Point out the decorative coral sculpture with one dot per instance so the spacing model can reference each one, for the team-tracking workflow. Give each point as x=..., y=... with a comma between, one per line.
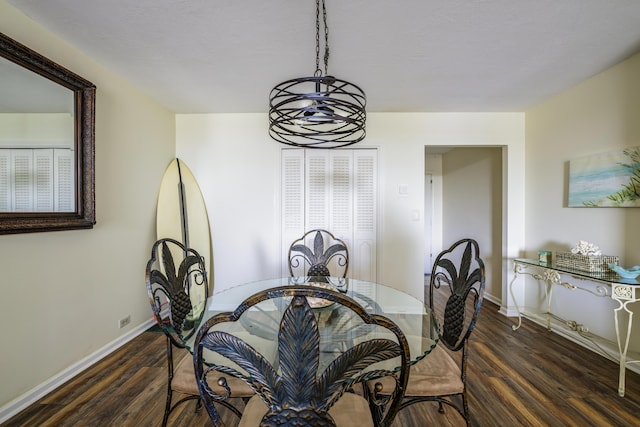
x=585, y=248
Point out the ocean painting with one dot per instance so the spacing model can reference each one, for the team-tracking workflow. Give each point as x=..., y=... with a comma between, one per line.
x=610, y=179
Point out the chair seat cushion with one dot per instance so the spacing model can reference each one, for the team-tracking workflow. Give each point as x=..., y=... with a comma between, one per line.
x=349, y=410
x=184, y=381
x=437, y=374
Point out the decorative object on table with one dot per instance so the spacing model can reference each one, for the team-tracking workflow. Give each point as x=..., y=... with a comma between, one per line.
x=545, y=257
x=315, y=302
x=627, y=273
x=610, y=179
x=585, y=248
x=585, y=256
x=319, y=111
x=299, y=390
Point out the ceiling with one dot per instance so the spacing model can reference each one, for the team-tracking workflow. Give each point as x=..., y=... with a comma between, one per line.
x=224, y=56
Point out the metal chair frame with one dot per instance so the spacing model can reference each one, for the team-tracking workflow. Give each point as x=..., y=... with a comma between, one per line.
x=466, y=280
x=320, y=255
x=174, y=283
x=295, y=390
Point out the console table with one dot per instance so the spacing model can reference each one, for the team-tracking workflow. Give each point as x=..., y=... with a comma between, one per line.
x=623, y=291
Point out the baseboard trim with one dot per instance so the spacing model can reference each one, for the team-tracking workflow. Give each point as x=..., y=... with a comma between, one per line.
x=21, y=402
x=492, y=299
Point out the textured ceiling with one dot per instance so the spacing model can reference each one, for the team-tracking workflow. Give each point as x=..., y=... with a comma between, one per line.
x=200, y=56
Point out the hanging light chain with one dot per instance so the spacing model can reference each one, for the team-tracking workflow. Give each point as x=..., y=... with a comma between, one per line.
x=326, y=39
x=318, y=72
x=320, y=111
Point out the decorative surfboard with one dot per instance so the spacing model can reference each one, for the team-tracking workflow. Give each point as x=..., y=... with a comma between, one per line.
x=181, y=213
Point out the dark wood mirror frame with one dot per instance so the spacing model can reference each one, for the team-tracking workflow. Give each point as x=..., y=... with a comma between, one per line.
x=84, y=119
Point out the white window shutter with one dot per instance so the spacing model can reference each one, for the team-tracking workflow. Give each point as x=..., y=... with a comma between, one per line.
x=364, y=259
x=43, y=180
x=292, y=190
x=317, y=189
x=5, y=181
x=335, y=190
x=37, y=180
x=22, y=180
x=341, y=195
x=64, y=180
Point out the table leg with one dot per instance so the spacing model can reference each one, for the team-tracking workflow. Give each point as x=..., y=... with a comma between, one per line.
x=517, y=268
x=623, y=342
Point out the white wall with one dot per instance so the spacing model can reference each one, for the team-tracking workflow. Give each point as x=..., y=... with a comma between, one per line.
x=237, y=167
x=36, y=130
x=597, y=115
x=64, y=292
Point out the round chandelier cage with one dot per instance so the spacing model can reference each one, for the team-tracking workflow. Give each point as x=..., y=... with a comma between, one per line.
x=319, y=111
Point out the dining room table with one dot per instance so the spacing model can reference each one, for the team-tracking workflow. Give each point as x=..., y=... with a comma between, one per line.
x=339, y=327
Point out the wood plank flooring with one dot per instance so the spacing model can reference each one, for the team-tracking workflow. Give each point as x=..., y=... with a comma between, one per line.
x=530, y=377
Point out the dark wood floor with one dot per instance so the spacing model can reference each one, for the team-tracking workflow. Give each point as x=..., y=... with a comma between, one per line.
x=530, y=377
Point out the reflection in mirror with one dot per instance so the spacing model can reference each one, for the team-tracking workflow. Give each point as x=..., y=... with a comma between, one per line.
x=46, y=144
x=36, y=142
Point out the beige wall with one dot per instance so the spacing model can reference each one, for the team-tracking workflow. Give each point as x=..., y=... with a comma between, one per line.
x=64, y=292
x=237, y=167
x=472, y=206
x=597, y=115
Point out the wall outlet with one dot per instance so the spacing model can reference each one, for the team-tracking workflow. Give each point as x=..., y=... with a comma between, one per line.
x=124, y=321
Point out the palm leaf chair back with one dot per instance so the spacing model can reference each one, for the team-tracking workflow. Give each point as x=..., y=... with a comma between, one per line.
x=301, y=389
x=458, y=275
x=177, y=287
x=318, y=253
x=459, y=272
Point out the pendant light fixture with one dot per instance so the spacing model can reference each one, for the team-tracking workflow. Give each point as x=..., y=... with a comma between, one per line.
x=319, y=111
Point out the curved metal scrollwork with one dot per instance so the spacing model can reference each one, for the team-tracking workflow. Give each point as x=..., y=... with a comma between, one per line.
x=327, y=250
x=183, y=286
x=295, y=391
x=465, y=278
x=177, y=288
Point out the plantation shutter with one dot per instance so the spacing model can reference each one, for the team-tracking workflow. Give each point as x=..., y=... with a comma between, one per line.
x=335, y=190
x=64, y=181
x=37, y=180
x=365, y=216
x=5, y=181
x=292, y=199
x=22, y=180
x=43, y=180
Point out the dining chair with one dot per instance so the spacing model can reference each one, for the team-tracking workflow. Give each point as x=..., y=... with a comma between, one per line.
x=177, y=286
x=456, y=290
x=302, y=388
x=318, y=253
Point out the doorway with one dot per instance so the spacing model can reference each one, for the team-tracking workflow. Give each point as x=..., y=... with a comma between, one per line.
x=466, y=201
x=428, y=222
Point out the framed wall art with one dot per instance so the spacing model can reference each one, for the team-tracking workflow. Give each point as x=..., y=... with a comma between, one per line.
x=610, y=179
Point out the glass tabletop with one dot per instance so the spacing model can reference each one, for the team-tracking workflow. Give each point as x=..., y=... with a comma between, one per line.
x=339, y=327
x=607, y=277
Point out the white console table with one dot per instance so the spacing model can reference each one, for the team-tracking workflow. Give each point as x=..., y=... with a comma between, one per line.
x=623, y=291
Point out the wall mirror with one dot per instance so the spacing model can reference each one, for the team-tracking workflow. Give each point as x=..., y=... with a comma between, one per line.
x=47, y=144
